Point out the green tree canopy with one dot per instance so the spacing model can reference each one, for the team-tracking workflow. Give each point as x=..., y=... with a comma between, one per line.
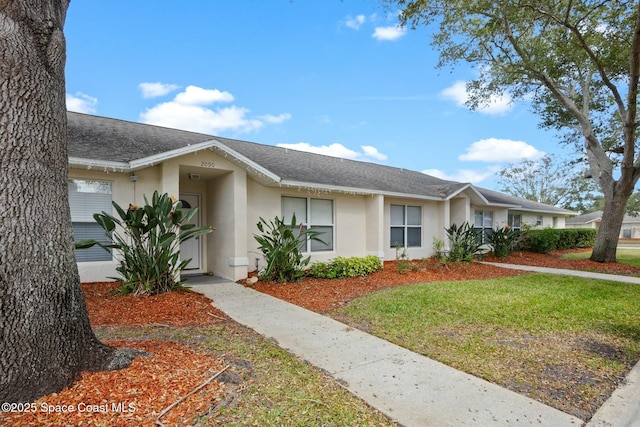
x=549, y=181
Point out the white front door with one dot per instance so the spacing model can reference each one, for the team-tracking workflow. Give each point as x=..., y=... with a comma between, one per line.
x=191, y=248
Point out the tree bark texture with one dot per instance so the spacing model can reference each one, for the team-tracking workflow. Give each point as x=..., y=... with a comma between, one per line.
x=606, y=244
x=45, y=336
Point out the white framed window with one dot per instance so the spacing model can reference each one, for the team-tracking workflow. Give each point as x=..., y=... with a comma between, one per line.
x=483, y=223
x=87, y=197
x=406, y=226
x=313, y=214
x=514, y=221
x=538, y=220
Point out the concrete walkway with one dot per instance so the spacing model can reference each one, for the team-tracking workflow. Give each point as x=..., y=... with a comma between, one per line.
x=568, y=272
x=411, y=389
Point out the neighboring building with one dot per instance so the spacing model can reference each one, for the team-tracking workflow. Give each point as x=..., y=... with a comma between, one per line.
x=630, y=224
x=363, y=208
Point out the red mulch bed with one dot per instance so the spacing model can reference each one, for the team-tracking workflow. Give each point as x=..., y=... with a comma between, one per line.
x=151, y=383
x=179, y=308
x=134, y=396
x=322, y=295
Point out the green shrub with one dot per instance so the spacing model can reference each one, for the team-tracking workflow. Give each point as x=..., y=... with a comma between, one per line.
x=575, y=238
x=149, y=249
x=503, y=241
x=549, y=239
x=281, y=244
x=544, y=240
x=464, y=242
x=341, y=267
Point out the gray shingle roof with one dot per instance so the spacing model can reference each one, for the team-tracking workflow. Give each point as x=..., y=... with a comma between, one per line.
x=105, y=139
x=303, y=167
x=585, y=218
x=102, y=139
x=495, y=197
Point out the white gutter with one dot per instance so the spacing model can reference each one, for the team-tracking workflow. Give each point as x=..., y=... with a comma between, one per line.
x=310, y=186
x=105, y=165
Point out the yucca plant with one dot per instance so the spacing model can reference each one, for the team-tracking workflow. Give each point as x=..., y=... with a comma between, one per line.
x=281, y=244
x=149, y=246
x=502, y=241
x=464, y=242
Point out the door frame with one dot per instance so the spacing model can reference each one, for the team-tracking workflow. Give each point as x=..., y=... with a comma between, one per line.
x=198, y=221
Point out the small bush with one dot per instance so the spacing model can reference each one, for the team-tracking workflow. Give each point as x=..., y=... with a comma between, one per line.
x=502, y=241
x=341, y=267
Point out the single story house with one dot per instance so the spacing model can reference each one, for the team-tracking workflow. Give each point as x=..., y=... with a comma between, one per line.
x=630, y=224
x=362, y=208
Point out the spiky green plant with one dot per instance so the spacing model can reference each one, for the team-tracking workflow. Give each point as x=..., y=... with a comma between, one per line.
x=281, y=244
x=148, y=242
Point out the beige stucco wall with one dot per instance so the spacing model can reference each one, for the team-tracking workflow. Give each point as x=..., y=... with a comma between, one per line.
x=354, y=229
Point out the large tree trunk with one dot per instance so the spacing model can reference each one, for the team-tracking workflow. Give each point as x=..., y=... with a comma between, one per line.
x=616, y=196
x=606, y=245
x=45, y=336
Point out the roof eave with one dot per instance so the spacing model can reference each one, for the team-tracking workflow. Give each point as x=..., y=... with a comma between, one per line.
x=167, y=155
x=311, y=186
x=104, y=165
x=250, y=166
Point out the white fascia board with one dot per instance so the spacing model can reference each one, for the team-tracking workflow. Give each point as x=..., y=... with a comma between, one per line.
x=472, y=188
x=311, y=186
x=545, y=211
x=249, y=164
x=101, y=165
x=161, y=157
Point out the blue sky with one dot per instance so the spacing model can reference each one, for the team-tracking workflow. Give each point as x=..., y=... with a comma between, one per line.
x=335, y=77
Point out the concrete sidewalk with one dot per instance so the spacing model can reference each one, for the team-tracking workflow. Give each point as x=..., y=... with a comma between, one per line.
x=411, y=389
x=568, y=272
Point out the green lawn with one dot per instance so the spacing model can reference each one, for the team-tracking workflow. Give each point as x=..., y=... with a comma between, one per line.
x=565, y=341
x=625, y=256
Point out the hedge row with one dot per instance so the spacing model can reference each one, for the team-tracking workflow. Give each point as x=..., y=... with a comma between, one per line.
x=549, y=239
x=345, y=267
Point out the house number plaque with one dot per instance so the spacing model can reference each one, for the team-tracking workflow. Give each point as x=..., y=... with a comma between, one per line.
x=208, y=165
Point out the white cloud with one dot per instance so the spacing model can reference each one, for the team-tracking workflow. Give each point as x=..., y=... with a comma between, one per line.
x=154, y=90
x=280, y=118
x=465, y=175
x=199, y=119
x=191, y=110
x=355, y=23
x=373, y=153
x=194, y=95
x=81, y=103
x=500, y=150
x=459, y=95
x=389, y=33
x=338, y=150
